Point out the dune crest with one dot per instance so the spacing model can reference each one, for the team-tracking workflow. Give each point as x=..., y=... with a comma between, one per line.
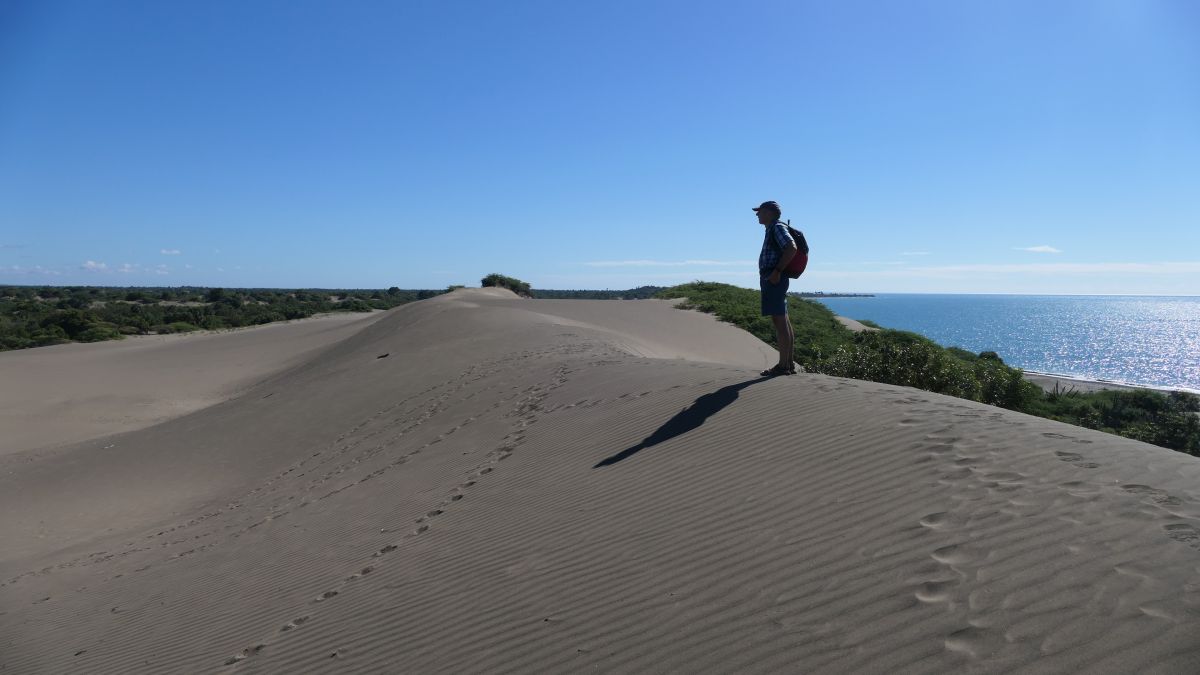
x=482, y=483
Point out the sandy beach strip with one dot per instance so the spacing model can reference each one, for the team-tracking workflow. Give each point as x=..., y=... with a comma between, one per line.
x=1065, y=383
x=479, y=483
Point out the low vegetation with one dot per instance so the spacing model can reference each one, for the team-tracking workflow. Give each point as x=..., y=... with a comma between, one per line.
x=34, y=316
x=639, y=293
x=517, y=286
x=823, y=345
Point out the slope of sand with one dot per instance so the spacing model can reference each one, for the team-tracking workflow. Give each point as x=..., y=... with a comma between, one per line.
x=556, y=486
x=68, y=393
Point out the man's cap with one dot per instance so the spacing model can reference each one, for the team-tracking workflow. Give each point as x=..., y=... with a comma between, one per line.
x=769, y=205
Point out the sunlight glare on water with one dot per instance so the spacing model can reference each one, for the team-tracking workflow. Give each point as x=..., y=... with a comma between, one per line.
x=1153, y=341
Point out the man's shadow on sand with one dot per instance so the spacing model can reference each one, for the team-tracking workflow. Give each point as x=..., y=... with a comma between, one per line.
x=685, y=420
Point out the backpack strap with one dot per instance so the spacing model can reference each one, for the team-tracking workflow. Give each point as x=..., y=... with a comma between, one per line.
x=797, y=238
x=771, y=235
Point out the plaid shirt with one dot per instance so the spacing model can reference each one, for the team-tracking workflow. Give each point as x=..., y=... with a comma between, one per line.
x=769, y=257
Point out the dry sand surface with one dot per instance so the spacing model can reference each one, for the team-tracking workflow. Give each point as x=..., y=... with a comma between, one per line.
x=1066, y=384
x=68, y=393
x=562, y=486
x=854, y=325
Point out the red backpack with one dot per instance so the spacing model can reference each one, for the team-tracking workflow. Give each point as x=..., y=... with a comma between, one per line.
x=796, y=265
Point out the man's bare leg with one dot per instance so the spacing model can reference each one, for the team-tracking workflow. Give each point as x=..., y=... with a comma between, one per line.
x=786, y=339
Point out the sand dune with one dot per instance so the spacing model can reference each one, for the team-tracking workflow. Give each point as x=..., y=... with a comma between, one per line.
x=481, y=483
x=69, y=393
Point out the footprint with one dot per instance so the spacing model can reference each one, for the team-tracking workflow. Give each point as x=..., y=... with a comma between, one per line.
x=959, y=474
x=1076, y=459
x=385, y=550
x=325, y=596
x=971, y=641
x=293, y=624
x=361, y=573
x=245, y=653
x=951, y=555
x=1158, y=496
x=1004, y=476
x=1184, y=533
x=934, y=591
x=936, y=521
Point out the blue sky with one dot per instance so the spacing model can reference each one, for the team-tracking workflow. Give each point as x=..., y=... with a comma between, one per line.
x=1011, y=147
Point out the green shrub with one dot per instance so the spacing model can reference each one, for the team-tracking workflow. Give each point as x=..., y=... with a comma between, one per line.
x=355, y=305
x=175, y=327
x=818, y=332
x=14, y=342
x=898, y=357
x=1002, y=386
x=99, y=333
x=515, y=285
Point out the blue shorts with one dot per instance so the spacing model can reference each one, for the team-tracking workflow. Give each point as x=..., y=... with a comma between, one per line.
x=774, y=296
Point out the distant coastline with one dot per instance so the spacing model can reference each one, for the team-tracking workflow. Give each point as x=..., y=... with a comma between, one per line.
x=822, y=294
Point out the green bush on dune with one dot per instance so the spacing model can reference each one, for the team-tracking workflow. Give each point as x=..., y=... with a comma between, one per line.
x=517, y=286
x=898, y=357
x=818, y=332
x=639, y=293
x=824, y=346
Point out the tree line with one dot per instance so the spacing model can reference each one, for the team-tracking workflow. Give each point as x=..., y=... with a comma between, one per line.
x=35, y=316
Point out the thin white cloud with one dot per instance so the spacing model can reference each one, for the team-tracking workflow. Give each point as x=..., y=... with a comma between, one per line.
x=1028, y=269
x=36, y=270
x=1038, y=249
x=170, y=251
x=124, y=268
x=668, y=263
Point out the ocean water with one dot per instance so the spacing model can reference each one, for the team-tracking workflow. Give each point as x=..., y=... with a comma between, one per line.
x=1144, y=340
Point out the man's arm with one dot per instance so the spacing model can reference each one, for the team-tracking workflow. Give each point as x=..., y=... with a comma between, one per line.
x=785, y=257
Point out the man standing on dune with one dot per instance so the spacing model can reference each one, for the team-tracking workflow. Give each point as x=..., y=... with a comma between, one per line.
x=778, y=249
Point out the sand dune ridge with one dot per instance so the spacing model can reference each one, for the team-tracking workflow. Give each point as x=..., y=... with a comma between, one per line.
x=562, y=485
